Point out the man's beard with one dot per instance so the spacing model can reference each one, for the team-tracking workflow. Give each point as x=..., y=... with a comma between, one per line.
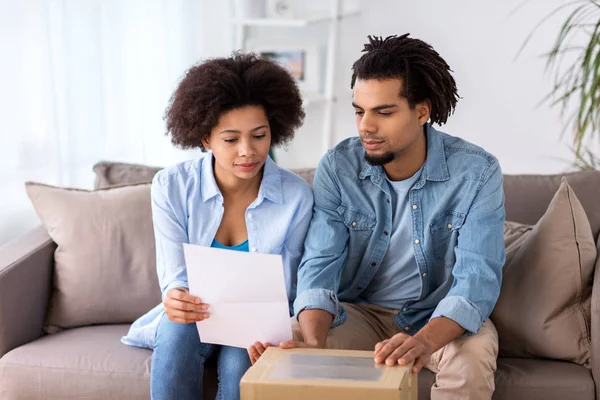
x=380, y=159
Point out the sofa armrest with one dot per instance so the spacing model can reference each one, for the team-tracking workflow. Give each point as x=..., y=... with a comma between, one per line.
x=25, y=283
x=595, y=328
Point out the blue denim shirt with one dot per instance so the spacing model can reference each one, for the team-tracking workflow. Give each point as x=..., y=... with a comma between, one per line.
x=457, y=208
x=187, y=207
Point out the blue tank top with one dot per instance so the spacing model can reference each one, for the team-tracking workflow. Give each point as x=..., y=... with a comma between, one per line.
x=239, y=247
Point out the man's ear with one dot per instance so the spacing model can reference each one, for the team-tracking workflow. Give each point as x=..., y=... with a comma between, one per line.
x=424, y=111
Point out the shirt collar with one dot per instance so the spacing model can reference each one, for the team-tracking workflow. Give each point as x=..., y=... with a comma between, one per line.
x=208, y=184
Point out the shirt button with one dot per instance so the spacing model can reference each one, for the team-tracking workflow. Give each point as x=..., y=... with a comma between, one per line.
x=387, y=200
x=417, y=241
x=406, y=328
x=415, y=207
x=373, y=264
x=249, y=215
x=354, y=223
x=424, y=273
x=449, y=226
x=404, y=310
x=253, y=249
x=385, y=233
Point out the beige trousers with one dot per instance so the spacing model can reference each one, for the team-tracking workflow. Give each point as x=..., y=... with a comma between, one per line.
x=464, y=368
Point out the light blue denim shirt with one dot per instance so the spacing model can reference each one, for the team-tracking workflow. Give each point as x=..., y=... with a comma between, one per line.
x=187, y=207
x=457, y=209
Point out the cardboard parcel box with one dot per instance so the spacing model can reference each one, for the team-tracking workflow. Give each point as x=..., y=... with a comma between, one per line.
x=325, y=374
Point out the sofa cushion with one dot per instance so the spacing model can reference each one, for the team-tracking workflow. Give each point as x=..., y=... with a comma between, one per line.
x=523, y=379
x=83, y=363
x=105, y=268
x=544, y=305
x=91, y=363
x=110, y=174
x=528, y=196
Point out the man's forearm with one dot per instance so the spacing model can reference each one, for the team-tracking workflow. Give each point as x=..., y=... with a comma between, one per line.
x=315, y=325
x=439, y=332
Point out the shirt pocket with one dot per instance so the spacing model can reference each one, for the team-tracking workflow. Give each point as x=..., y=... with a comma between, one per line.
x=444, y=235
x=360, y=226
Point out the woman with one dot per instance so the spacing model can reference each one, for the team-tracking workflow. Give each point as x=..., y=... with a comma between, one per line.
x=235, y=197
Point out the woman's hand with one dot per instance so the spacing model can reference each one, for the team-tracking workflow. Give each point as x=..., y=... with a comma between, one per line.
x=256, y=350
x=182, y=307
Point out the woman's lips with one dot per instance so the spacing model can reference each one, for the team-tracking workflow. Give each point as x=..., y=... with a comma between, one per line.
x=247, y=166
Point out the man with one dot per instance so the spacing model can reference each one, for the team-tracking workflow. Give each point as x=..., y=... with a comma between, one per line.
x=405, y=250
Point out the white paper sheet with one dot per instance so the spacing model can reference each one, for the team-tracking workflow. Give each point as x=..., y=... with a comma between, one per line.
x=246, y=293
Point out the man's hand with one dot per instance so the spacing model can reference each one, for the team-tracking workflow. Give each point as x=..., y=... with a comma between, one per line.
x=182, y=307
x=402, y=349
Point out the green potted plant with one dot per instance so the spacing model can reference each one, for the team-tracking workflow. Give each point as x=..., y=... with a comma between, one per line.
x=577, y=81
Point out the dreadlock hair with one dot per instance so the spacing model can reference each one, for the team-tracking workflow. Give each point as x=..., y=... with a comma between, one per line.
x=425, y=75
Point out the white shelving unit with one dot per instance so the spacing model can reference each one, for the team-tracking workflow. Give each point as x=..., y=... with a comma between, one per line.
x=326, y=98
x=289, y=22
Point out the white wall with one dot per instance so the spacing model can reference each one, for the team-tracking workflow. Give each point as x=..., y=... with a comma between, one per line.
x=85, y=81
x=479, y=39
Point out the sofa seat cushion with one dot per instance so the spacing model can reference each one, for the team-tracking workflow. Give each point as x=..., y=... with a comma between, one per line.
x=528, y=379
x=91, y=363
x=520, y=379
x=84, y=363
x=87, y=363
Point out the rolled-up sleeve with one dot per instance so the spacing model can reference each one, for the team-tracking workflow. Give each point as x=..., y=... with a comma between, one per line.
x=480, y=256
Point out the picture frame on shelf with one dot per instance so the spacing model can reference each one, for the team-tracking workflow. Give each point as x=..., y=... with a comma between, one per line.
x=279, y=9
x=301, y=62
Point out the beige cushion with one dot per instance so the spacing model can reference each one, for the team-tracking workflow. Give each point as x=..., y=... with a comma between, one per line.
x=544, y=305
x=105, y=265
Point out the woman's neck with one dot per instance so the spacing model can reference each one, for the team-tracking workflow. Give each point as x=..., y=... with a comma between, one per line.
x=232, y=186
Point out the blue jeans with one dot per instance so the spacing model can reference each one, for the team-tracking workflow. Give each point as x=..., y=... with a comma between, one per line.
x=178, y=364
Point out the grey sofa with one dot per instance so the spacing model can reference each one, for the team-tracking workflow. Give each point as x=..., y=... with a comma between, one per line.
x=91, y=363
